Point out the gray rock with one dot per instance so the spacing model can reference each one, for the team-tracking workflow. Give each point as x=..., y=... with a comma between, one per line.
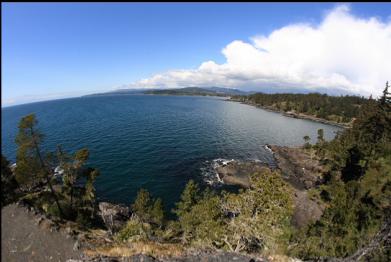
x=39, y=220
x=76, y=246
x=114, y=216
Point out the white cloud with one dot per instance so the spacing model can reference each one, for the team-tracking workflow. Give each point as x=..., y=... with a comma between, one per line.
x=343, y=53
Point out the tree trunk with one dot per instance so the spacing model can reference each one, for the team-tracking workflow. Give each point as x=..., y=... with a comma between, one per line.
x=46, y=173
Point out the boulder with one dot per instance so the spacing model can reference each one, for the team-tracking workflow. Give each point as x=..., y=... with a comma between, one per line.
x=114, y=216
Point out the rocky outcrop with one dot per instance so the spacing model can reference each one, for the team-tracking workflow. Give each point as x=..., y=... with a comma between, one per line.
x=303, y=172
x=235, y=172
x=114, y=216
x=300, y=169
x=306, y=210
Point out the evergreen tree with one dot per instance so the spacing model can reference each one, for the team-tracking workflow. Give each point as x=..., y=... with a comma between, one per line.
x=149, y=210
x=31, y=166
x=306, y=142
x=320, y=136
x=189, y=197
x=259, y=217
x=157, y=212
x=142, y=204
x=89, y=196
x=359, y=189
x=386, y=97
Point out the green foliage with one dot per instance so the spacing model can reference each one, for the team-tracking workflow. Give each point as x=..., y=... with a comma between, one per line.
x=307, y=144
x=358, y=191
x=260, y=216
x=83, y=218
x=320, y=136
x=35, y=175
x=135, y=230
x=252, y=220
x=81, y=199
x=189, y=197
x=340, y=109
x=202, y=225
x=147, y=209
x=8, y=183
x=142, y=205
x=157, y=212
x=147, y=220
x=30, y=169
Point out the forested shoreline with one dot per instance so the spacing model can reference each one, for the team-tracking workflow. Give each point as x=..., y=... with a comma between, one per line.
x=341, y=110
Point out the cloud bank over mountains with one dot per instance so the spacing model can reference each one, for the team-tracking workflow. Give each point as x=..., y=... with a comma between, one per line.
x=343, y=53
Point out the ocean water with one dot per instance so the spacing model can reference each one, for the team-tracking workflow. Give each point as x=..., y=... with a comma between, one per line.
x=157, y=142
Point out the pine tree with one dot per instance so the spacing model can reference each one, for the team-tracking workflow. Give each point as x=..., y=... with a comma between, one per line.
x=157, y=212
x=306, y=142
x=31, y=166
x=189, y=197
x=386, y=97
x=89, y=190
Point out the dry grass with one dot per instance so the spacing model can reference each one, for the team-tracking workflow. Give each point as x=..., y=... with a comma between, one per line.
x=154, y=249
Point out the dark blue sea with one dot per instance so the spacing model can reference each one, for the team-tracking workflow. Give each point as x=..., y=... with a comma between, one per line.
x=156, y=142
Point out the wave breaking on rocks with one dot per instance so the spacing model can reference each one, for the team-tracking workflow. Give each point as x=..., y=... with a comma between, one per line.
x=222, y=171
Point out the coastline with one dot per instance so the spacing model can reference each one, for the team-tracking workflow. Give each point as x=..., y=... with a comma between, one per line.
x=294, y=115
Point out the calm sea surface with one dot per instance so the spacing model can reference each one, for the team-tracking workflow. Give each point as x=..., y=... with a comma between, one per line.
x=156, y=142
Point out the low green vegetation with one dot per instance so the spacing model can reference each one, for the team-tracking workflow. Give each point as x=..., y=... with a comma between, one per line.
x=252, y=220
x=340, y=109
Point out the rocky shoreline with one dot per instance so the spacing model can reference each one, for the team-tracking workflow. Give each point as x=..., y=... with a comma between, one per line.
x=297, y=168
x=294, y=114
x=68, y=242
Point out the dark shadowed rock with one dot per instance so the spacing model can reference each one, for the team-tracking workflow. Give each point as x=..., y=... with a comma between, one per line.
x=114, y=216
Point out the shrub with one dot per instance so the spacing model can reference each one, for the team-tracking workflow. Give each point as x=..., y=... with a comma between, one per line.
x=135, y=230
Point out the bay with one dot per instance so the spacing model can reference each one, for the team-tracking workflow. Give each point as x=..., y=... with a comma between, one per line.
x=157, y=142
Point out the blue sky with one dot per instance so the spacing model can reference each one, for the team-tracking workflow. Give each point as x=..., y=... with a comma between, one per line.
x=70, y=49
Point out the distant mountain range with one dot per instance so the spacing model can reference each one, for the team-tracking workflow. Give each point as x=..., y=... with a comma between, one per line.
x=201, y=91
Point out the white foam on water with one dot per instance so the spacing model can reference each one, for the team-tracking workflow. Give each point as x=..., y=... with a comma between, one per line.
x=209, y=173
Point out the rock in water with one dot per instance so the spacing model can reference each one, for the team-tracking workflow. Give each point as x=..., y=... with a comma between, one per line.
x=235, y=172
x=114, y=216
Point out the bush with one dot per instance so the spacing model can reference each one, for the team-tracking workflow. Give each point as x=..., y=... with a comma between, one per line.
x=259, y=216
x=149, y=210
x=135, y=230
